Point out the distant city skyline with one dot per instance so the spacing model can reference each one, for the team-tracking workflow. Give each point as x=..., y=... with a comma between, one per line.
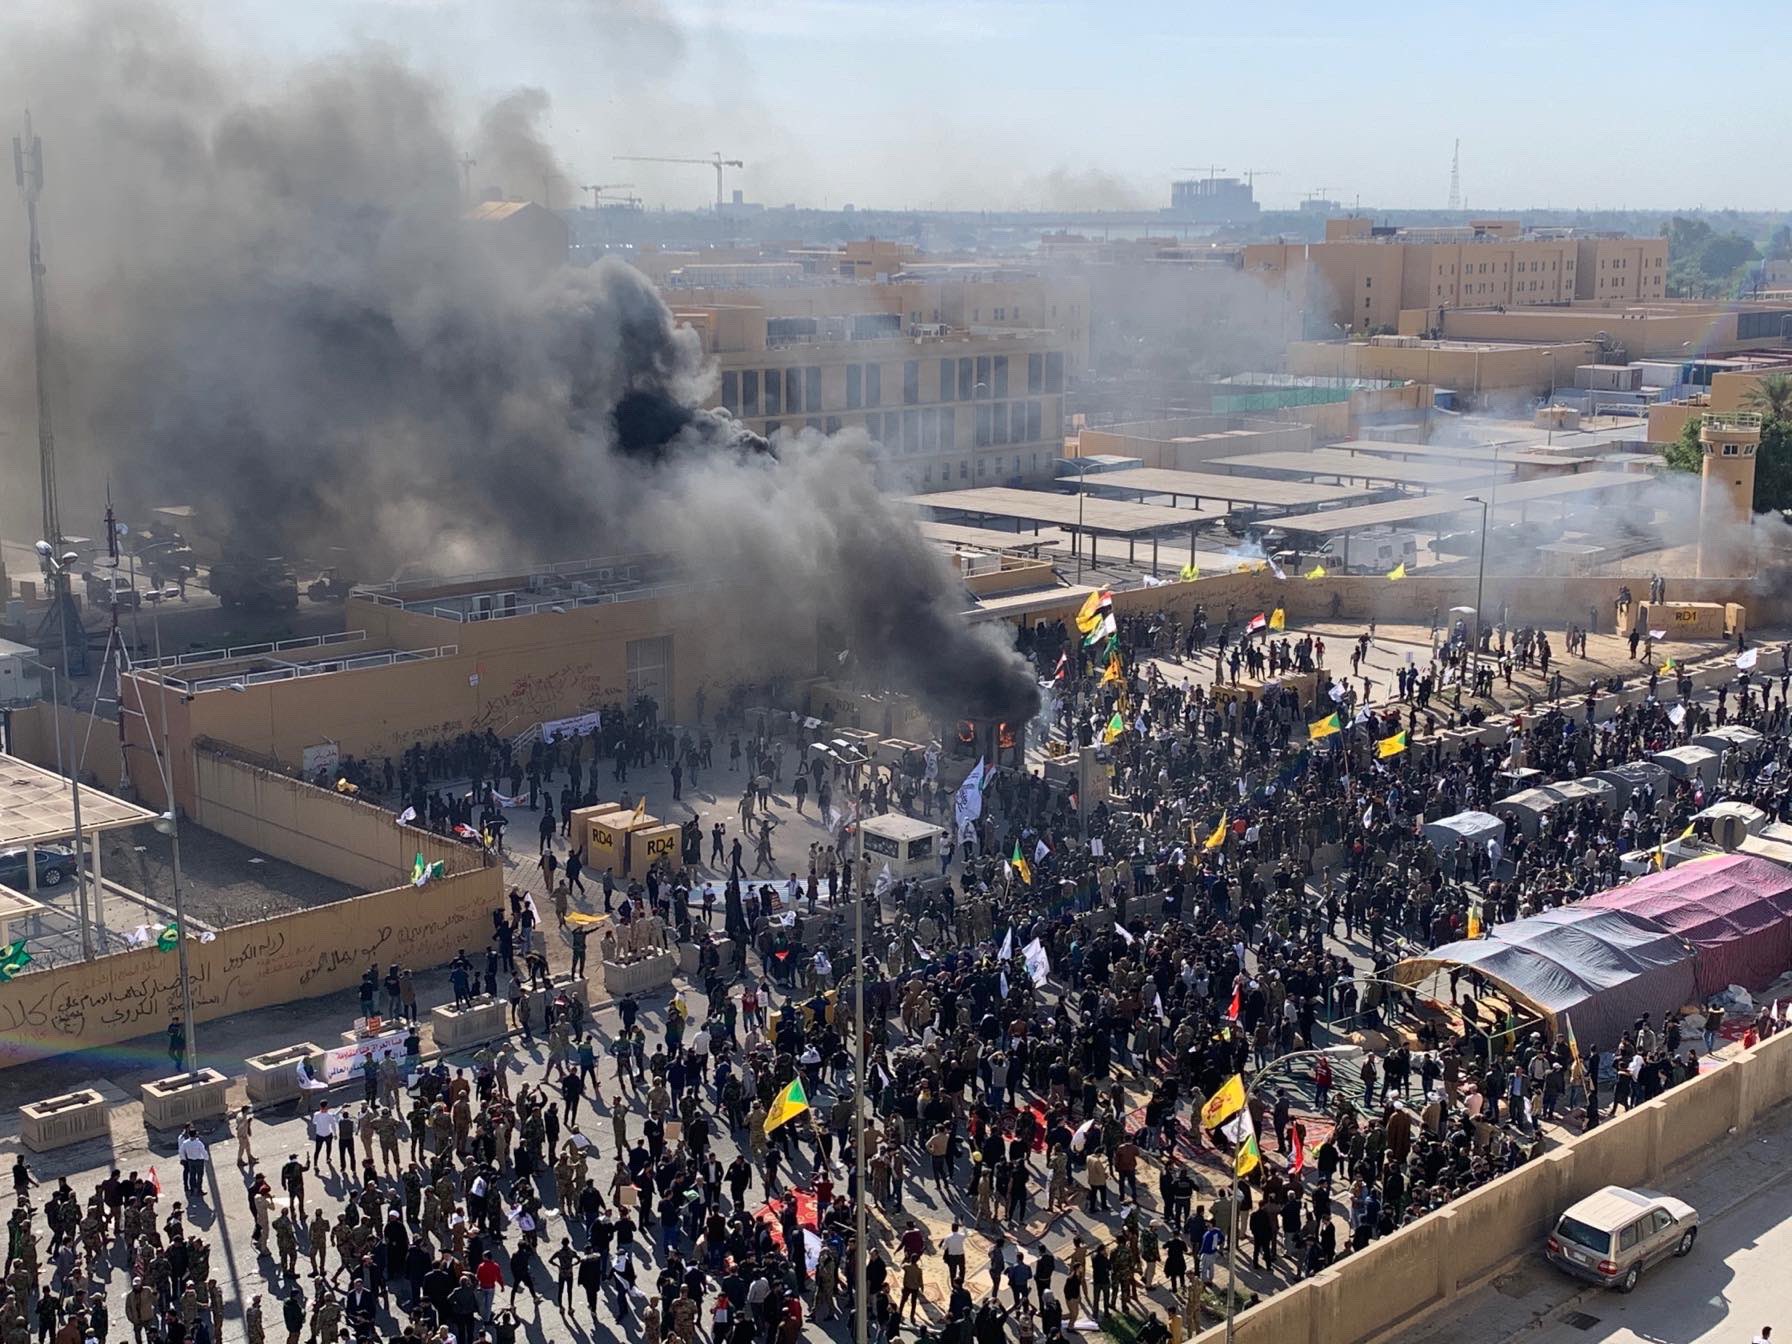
x=1066, y=104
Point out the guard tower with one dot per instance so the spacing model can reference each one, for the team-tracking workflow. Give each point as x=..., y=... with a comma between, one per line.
x=1727, y=494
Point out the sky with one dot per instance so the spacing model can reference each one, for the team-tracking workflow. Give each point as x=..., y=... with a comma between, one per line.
x=1074, y=104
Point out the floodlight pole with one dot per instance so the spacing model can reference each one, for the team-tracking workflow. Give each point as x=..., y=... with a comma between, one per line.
x=861, y=1315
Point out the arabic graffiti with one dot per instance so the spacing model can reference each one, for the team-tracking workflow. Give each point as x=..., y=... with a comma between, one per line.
x=296, y=956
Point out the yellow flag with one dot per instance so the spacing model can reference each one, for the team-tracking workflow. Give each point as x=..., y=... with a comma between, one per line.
x=1324, y=727
x=1474, y=922
x=1667, y=667
x=787, y=1105
x=1113, y=672
x=1317, y=572
x=1218, y=837
x=1191, y=570
x=1090, y=615
x=1391, y=746
x=641, y=808
x=1278, y=619
x=1248, y=1158
x=1397, y=572
x=1225, y=1103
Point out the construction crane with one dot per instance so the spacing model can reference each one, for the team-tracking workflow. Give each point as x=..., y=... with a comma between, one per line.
x=1252, y=174
x=601, y=187
x=1456, y=177
x=1211, y=172
x=716, y=161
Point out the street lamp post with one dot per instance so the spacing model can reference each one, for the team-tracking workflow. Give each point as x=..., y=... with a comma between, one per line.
x=168, y=824
x=1480, y=588
x=861, y=1308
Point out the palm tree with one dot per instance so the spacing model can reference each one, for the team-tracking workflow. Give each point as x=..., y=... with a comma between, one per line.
x=1771, y=396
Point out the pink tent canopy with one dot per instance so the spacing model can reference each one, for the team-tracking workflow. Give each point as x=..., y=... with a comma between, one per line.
x=1736, y=911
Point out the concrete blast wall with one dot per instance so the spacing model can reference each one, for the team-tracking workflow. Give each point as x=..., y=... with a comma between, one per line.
x=1387, y=1286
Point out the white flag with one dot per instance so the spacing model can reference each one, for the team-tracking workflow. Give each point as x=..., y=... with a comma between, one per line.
x=885, y=880
x=1039, y=965
x=1276, y=569
x=1677, y=715
x=1007, y=951
x=1368, y=815
x=1125, y=937
x=1157, y=1003
x=1658, y=634
x=967, y=803
x=1744, y=661
x=1240, y=1127
x=1040, y=850
x=1004, y=981
x=406, y=817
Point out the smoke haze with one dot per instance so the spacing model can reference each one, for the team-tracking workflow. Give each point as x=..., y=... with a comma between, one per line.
x=265, y=303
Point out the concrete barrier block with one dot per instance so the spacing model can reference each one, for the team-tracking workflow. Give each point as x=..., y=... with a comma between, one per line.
x=273, y=1078
x=462, y=1028
x=641, y=976
x=56, y=1122
x=186, y=1098
x=689, y=952
x=1766, y=1078
x=575, y=987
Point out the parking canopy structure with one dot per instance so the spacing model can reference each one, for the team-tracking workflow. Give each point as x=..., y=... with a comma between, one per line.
x=1230, y=490
x=1078, y=515
x=1735, y=910
x=1321, y=463
x=1601, y=968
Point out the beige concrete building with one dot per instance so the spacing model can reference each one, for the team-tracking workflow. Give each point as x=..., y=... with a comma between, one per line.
x=950, y=405
x=1661, y=329
x=1362, y=277
x=1471, y=368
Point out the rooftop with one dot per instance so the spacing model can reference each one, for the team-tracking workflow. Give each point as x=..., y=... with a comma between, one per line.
x=1107, y=516
x=37, y=805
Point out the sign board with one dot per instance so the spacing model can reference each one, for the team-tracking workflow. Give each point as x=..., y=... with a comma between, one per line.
x=348, y=1062
x=576, y=726
x=321, y=759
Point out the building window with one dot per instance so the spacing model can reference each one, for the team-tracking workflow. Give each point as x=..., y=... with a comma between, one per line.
x=1001, y=314
x=980, y=426
x=793, y=390
x=948, y=379
x=649, y=664
x=927, y=474
x=749, y=392
x=1035, y=374
x=772, y=427
x=812, y=388
x=730, y=389
x=911, y=382
x=982, y=466
x=964, y=470
x=1054, y=371
x=814, y=423
x=1001, y=383
x=1368, y=281
x=998, y=423
x=774, y=392
x=930, y=430
x=1034, y=428
x=966, y=379
x=948, y=428
x=833, y=424
x=855, y=387
x=911, y=431
x=874, y=384
x=981, y=390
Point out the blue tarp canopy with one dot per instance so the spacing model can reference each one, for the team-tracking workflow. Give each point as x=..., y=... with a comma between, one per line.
x=1602, y=968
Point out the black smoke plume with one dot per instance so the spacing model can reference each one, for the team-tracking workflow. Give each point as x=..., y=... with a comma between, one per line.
x=268, y=304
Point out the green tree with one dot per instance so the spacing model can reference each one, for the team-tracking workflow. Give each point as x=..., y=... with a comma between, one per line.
x=1773, y=467
x=1722, y=257
x=1684, y=454
x=1771, y=396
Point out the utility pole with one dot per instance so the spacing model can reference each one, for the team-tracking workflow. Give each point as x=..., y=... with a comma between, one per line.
x=114, y=530
x=1456, y=177
x=467, y=163
x=28, y=172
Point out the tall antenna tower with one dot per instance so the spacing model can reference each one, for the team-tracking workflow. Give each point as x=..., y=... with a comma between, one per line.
x=1456, y=177
x=28, y=171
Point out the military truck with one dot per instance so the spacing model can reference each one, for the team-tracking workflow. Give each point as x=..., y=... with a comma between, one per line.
x=254, y=583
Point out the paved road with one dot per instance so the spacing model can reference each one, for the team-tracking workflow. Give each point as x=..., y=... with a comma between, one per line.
x=1732, y=1284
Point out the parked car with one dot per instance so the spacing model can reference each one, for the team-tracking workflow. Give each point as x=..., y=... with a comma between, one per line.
x=55, y=864
x=1612, y=1236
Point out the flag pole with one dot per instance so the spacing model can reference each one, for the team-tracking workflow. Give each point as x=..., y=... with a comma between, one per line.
x=861, y=1308
x=1231, y=1250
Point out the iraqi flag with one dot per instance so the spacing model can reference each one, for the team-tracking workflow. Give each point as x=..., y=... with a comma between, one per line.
x=1298, y=1133
x=1063, y=666
x=1235, y=1013
x=1258, y=622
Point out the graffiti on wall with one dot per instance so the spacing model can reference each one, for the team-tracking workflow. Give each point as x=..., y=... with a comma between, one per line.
x=117, y=998
x=533, y=697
